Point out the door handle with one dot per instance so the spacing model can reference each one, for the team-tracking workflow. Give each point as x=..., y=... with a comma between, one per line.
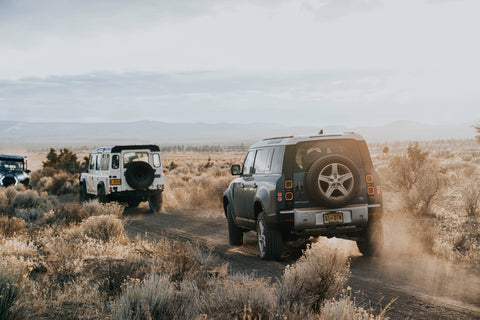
x=255, y=186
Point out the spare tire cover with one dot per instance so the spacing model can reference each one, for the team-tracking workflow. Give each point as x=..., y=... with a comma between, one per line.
x=139, y=175
x=333, y=181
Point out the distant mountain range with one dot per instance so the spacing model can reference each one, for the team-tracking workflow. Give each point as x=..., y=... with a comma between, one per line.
x=43, y=134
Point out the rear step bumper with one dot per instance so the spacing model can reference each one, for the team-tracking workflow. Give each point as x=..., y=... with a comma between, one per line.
x=312, y=220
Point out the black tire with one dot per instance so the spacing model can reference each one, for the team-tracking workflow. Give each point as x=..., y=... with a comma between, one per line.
x=269, y=240
x=156, y=201
x=82, y=193
x=139, y=175
x=372, y=244
x=102, y=197
x=333, y=181
x=235, y=234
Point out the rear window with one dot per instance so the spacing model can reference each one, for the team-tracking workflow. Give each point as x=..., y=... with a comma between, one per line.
x=135, y=156
x=308, y=152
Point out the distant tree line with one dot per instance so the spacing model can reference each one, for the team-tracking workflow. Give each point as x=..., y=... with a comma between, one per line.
x=204, y=148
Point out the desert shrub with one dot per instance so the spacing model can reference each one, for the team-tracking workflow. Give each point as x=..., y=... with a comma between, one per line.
x=10, y=291
x=3, y=203
x=93, y=208
x=471, y=197
x=70, y=213
x=112, y=273
x=104, y=228
x=11, y=226
x=184, y=261
x=240, y=296
x=29, y=205
x=154, y=298
x=318, y=275
x=55, y=184
x=417, y=179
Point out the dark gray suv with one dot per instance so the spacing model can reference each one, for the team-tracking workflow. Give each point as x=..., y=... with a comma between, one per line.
x=13, y=171
x=292, y=188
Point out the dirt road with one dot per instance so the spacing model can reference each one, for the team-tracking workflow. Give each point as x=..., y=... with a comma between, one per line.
x=425, y=288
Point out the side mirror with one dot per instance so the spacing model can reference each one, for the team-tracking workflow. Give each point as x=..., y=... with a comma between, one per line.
x=83, y=166
x=236, y=170
x=28, y=171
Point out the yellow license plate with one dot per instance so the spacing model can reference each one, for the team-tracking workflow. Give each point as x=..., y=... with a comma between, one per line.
x=336, y=217
x=115, y=182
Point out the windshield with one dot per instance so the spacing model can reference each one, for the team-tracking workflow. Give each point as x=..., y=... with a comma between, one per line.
x=12, y=165
x=135, y=156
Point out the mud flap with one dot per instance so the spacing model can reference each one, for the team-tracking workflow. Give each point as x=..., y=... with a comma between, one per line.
x=152, y=208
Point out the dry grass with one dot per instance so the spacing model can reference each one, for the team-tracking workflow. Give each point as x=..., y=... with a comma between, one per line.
x=74, y=261
x=196, y=180
x=54, y=182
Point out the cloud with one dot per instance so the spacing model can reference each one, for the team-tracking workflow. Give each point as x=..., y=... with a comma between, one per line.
x=348, y=97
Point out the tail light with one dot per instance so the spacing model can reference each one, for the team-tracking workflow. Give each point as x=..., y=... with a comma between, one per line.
x=372, y=188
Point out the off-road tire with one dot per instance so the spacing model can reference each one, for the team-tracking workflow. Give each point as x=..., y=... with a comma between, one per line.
x=322, y=170
x=82, y=193
x=235, y=234
x=156, y=201
x=372, y=244
x=269, y=240
x=139, y=175
x=102, y=197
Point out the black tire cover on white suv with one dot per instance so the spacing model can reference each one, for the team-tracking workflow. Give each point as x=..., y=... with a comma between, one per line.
x=333, y=180
x=139, y=175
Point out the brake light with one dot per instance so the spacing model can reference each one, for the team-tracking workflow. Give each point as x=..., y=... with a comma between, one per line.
x=289, y=196
x=371, y=187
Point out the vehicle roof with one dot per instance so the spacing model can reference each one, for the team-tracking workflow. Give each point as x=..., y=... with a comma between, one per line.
x=120, y=148
x=9, y=157
x=291, y=140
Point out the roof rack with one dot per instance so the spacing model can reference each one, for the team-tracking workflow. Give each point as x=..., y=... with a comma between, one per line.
x=275, y=138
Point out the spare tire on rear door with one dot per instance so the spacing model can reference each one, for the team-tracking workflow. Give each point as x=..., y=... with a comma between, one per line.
x=139, y=175
x=333, y=180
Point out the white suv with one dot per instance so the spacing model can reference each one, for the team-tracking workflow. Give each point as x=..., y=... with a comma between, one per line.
x=131, y=174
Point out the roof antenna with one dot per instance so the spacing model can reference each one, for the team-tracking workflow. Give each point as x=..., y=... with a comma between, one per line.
x=321, y=131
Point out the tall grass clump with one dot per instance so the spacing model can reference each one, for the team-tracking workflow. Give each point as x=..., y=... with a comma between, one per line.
x=10, y=291
x=317, y=276
x=471, y=197
x=154, y=298
x=29, y=205
x=9, y=227
x=103, y=228
x=416, y=178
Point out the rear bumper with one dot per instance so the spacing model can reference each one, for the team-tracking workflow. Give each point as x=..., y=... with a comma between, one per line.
x=310, y=221
x=140, y=195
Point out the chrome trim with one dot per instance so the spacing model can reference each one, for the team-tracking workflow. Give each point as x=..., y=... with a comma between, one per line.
x=311, y=218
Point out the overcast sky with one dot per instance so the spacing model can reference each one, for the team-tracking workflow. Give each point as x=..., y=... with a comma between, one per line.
x=298, y=62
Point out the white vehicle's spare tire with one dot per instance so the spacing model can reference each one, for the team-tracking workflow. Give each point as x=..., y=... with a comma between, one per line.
x=139, y=175
x=333, y=181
